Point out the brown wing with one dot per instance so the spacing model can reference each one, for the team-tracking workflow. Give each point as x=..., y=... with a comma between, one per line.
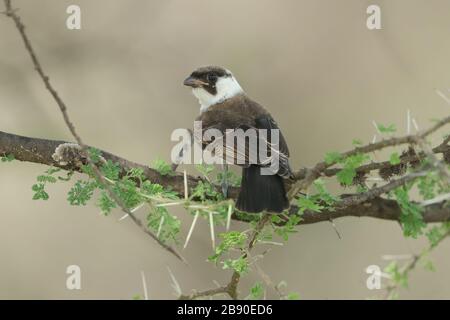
x=239, y=121
x=278, y=147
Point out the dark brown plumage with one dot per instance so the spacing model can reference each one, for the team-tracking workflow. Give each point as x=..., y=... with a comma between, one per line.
x=237, y=111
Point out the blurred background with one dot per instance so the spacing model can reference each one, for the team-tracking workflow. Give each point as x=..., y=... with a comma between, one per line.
x=313, y=63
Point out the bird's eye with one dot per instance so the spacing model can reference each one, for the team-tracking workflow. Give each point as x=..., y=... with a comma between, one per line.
x=212, y=78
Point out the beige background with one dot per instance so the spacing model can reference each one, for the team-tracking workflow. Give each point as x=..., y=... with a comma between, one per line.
x=314, y=64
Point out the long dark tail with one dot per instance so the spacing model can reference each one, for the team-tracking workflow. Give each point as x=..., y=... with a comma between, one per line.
x=261, y=192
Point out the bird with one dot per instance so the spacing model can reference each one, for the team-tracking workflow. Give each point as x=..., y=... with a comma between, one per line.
x=225, y=106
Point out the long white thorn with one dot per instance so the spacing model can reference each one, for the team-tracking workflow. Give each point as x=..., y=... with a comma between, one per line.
x=230, y=212
x=437, y=199
x=144, y=285
x=211, y=227
x=376, y=126
x=123, y=217
x=186, y=196
x=416, y=126
x=161, y=222
x=175, y=284
x=443, y=96
x=169, y=204
x=137, y=207
x=374, y=138
x=396, y=256
x=273, y=243
x=191, y=229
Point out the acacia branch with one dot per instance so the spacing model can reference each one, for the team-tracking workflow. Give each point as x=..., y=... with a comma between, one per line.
x=319, y=168
x=42, y=151
x=231, y=289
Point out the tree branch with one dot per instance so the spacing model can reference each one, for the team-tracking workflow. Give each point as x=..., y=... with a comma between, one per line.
x=42, y=151
x=318, y=169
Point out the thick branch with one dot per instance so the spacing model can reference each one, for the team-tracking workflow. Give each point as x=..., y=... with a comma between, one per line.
x=41, y=151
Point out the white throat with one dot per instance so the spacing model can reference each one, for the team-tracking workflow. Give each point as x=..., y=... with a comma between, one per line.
x=226, y=88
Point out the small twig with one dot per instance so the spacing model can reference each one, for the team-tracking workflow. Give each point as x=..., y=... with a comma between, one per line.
x=206, y=293
x=413, y=263
x=335, y=229
x=317, y=170
x=235, y=278
x=269, y=281
x=231, y=288
x=63, y=108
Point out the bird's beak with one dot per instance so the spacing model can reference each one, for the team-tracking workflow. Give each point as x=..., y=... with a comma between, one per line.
x=194, y=83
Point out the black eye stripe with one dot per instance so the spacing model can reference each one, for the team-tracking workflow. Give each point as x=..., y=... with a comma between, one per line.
x=211, y=77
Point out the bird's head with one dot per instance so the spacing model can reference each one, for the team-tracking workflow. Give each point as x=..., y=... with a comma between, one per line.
x=212, y=85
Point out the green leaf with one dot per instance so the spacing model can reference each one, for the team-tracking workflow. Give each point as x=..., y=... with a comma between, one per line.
x=429, y=266
x=398, y=277
x=293, y=296
x=306, y=203
x=7, y=158
x=411, y=217
x=127, y=191
x=39, y=192
x=168, y=226
x=332, y=157
x=256, y=292
x=386, y=129
x=204, y=169
x=136, y=173
x=43, y=179
x=289, y=228
x=162, y=167
x=239, y=265
x=324, y=195
x=394, y=159
x=81, y=193
x=346, y=176
x=204, y=191
x=111, y=170
x=46, y=178
x=428, y=184
x=105, y=203
x=437, y=233
x=154, y=189
x=233, y=179
x=230, y=240
x=94, y=154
